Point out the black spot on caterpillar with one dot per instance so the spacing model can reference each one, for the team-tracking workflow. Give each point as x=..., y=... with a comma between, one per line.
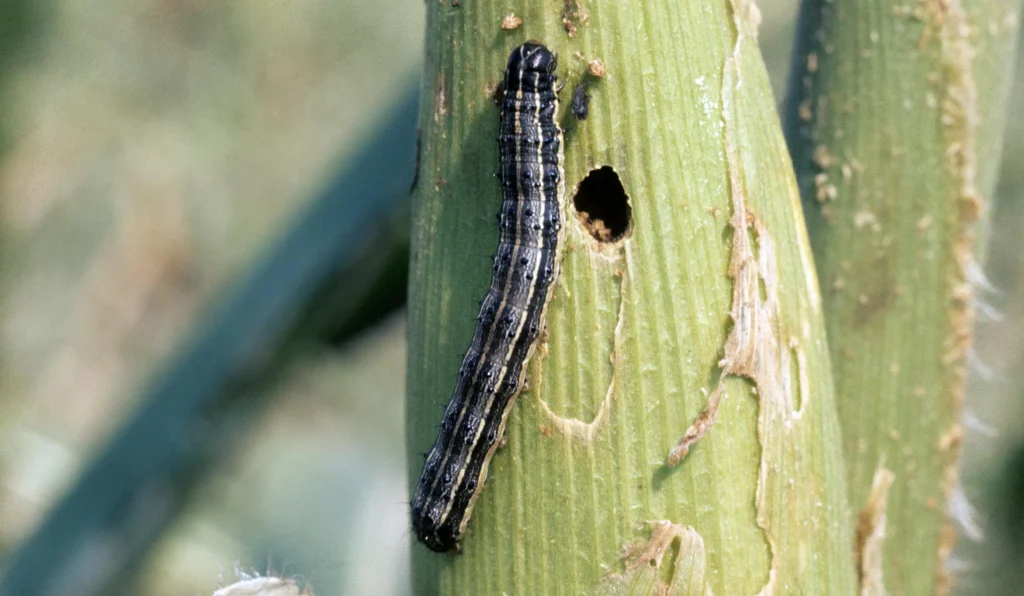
x=512, y=312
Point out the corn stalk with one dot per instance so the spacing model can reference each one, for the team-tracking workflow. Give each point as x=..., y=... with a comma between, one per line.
x=894, y=121
x=699, y=334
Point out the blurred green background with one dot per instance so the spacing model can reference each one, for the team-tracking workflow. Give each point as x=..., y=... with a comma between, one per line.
x=154, y=149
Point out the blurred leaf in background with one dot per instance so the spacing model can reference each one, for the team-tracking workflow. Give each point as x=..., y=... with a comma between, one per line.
x=157, y=148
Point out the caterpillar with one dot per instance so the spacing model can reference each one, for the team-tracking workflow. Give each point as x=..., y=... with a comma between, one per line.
x=512, y=313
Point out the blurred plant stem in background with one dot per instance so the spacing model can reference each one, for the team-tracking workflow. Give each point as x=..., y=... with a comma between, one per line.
x=643, y=334
x=21, y=28
x=894, y=118
x=152, y=164
x=195, y=413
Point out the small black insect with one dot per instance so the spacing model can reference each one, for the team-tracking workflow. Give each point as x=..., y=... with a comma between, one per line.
x=581, y=100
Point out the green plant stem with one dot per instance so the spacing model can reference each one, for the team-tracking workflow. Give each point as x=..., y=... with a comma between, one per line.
x=894, y=121
x=715, y=283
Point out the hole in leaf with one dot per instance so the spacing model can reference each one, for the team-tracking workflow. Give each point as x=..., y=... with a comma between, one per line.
x=603, y=206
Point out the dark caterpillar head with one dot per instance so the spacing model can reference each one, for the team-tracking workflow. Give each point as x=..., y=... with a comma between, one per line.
x=437, y=533
x=532, y=56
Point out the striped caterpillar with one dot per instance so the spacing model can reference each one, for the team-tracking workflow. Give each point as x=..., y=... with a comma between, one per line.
x=512, y=313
